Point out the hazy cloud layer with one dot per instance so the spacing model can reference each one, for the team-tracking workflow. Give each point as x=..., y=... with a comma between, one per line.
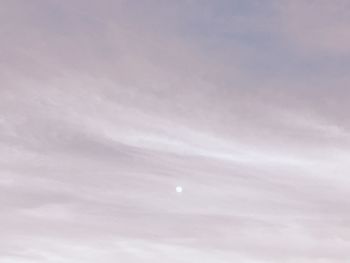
x=107, y=106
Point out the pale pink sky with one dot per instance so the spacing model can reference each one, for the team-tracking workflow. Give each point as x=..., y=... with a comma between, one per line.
x=107, y=106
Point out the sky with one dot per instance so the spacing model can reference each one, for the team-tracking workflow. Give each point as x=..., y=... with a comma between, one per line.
x=108, y=108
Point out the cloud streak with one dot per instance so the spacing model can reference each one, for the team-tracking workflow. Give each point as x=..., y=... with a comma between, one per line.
x=106, y=107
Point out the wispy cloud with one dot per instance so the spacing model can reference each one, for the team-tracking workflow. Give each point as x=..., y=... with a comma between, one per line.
x=107, y=106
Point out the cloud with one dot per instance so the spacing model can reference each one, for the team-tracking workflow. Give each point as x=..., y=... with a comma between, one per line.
x=105, y=107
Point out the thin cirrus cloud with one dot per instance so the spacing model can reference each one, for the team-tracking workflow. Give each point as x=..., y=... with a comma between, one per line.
x=107, y=106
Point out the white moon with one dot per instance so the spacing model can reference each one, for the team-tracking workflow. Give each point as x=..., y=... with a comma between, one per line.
x=178, y=189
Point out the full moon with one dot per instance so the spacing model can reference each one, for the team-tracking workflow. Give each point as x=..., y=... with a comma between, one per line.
x=178, y=189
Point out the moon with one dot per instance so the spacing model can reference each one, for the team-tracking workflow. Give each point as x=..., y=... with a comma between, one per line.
x=178, y=189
